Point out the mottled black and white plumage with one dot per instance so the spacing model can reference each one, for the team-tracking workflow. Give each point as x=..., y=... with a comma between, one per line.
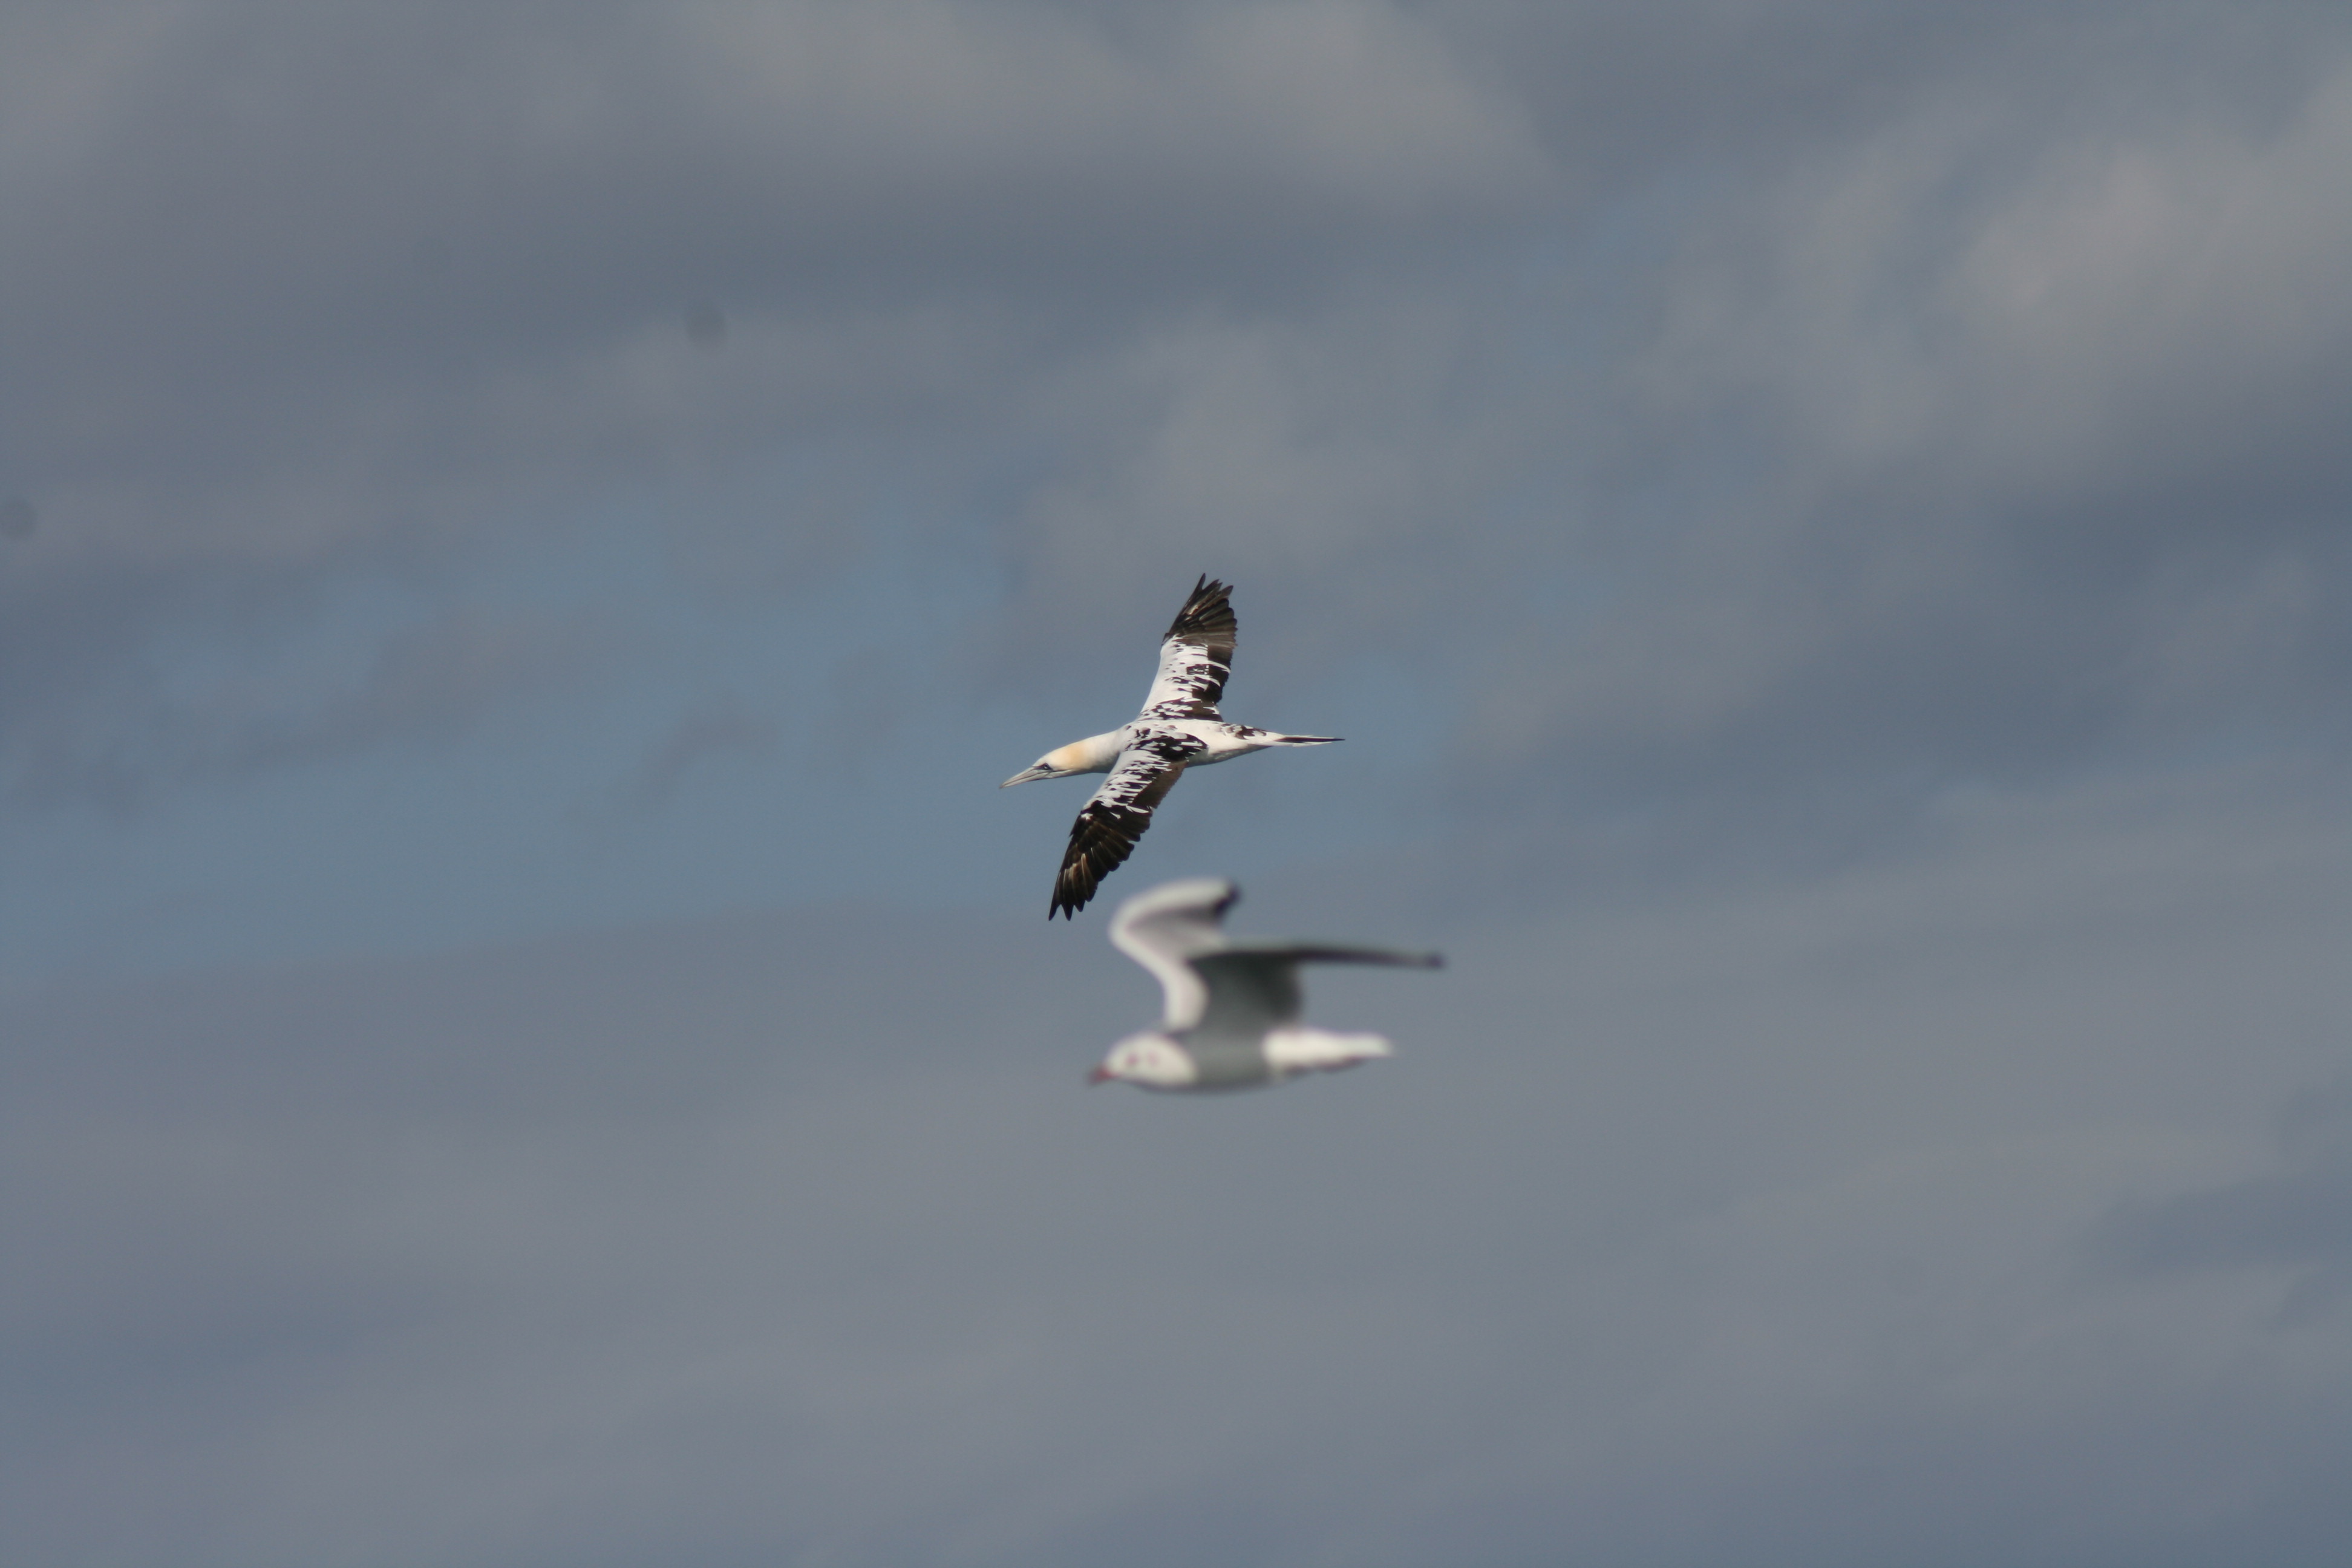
x=1195, y=656
x=1230, y=1018
x=1180, y=727
x=1109, y=824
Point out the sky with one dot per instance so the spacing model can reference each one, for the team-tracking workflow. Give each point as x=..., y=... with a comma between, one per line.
x=530, y=533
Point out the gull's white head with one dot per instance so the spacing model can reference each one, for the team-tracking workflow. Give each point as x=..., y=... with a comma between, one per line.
x=1151, y=1061
x=1058, y=763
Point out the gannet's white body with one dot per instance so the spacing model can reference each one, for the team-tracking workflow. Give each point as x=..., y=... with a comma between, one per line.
x=1231, y=1019
x=1218, y=742
x=1179, y=728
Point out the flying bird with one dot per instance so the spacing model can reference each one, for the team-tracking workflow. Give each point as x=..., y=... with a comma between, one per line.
x=1179, y=728
x=1231, y=1014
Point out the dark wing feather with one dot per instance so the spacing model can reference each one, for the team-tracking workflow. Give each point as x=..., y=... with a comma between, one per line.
x=1306, y=952
x=1249, y=993
x=1195, y=656
x=1107, y=827
x=1255, y=988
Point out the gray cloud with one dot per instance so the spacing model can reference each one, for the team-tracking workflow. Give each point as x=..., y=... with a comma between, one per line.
x=1921, y=410
x=433, y=681
x=321, y=295
x=2297, y=1219
x=1833, y=521
x=1739, y=1223
x=347, y=250
x=696, y=741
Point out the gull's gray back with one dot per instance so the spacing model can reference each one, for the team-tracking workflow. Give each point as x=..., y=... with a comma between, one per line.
x=1255, y=988
x=1251, y=990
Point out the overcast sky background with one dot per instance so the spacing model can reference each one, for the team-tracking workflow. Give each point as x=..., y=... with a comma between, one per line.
x=530, y=534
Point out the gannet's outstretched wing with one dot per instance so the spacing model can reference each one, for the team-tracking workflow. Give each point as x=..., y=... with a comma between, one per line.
x=1168, y=927
x=1195, y=656
x=1109, y=825
x=1256, y=988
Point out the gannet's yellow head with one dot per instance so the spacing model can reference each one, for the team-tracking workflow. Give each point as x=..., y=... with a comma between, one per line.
x=1058, y=763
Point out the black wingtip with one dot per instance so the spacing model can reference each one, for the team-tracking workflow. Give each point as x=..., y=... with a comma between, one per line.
x=1208, y=612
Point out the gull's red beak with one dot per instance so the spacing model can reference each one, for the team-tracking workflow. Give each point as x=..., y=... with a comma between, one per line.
x=1100, y=1075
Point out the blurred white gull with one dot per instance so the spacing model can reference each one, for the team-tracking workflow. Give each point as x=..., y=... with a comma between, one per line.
x=1231, y=1018
x=1180, y=727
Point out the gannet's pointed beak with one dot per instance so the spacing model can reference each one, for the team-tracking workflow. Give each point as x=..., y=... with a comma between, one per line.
x=1039, y=771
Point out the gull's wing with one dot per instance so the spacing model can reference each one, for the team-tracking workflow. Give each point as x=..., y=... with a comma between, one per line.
x=1109, y=824
x=1195, y=656
x=1168, y=927
x=1254, y=989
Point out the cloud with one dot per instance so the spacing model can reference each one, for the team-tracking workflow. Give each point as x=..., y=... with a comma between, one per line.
x=2295, y=1223
x=1744, y=1220
x=1823, y=530
x=695, y=742
x=429, y=682
x=1845, y=398
x=339, y=299
x=558, y=191
x=1969, y=447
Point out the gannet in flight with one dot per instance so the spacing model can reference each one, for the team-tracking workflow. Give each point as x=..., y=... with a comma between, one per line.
x=1179, y=728
x=1231, y=1018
